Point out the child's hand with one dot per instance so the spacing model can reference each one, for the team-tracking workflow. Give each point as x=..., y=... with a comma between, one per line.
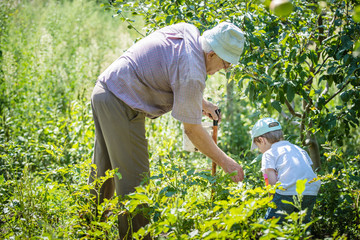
x=271, y=175
x=266, y=179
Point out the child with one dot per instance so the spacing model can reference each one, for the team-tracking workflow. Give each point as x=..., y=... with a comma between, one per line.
x=285, y=163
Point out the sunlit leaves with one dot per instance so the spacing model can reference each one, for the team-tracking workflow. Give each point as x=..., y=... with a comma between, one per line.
x=300, y=186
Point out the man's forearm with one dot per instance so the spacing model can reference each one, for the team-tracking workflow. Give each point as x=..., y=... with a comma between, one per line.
x=204, y=142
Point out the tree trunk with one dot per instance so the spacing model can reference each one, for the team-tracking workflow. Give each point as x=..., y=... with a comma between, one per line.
x=314, y=151
x=310, y=139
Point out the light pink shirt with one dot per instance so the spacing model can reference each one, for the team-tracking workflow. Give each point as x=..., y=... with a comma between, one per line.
x=164, y=71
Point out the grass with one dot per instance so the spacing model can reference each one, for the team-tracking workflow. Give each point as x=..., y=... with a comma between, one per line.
x=52, y=52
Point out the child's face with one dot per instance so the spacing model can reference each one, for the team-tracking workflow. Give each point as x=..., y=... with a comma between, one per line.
x=263, y=144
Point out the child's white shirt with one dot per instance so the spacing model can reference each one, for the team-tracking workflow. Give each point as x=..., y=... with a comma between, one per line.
x=291, y=164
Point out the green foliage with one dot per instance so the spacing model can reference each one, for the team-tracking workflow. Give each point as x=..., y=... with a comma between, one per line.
x=340, y=194
x=186, y=202
x=43, y=205
x=51, y=55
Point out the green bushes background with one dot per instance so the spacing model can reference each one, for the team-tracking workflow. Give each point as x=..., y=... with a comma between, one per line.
x=51, y=54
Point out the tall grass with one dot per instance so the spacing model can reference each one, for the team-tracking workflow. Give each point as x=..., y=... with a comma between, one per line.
x=51, y=54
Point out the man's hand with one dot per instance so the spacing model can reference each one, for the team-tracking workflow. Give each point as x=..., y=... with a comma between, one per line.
x=231, y=166
x=209, y=110
x=203, y=141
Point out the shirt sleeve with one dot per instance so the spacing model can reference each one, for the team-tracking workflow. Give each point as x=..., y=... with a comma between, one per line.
x=188, y=95
x=267, y=161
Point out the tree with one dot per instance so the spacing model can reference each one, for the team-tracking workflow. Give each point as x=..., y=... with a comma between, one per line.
x=305, y=65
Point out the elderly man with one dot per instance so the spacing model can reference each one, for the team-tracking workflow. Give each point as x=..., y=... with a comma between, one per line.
x=163, y=72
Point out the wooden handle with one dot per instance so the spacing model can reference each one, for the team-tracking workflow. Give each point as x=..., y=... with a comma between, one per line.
x=214, y=137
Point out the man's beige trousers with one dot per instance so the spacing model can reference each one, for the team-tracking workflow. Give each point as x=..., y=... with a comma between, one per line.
x=119, y=143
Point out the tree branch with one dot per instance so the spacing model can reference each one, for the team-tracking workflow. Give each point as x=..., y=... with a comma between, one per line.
x=317, y=71
x=289, y=118
x=339, y=91
x=326, y=89
x=291, y=109
x=132, y=26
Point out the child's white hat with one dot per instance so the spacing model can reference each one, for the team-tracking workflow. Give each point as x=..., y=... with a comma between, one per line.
x=226, y=40
x=263, y=126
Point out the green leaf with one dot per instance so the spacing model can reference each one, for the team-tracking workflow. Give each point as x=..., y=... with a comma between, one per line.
x=331, y=70
x=292, y=54
x=283, y=42
x=140, y=197
x=313, y=57
x=287, y=202
x=281, y=96
x=302, y=58
x=276, y=105
x=168, y=19
x=190, y=172
x=290, y=92
x=300, y=186
x=251, y=90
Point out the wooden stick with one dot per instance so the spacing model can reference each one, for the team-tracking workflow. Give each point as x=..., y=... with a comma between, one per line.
x=214, y=137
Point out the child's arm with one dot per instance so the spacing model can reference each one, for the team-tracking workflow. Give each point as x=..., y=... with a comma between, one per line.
x=271, y=175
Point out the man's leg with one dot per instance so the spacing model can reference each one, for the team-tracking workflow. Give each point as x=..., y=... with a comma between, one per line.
x=123, y=130
x=100, y=156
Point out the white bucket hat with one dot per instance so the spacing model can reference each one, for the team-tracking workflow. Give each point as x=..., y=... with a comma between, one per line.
x=261, y=127
x=226, y=40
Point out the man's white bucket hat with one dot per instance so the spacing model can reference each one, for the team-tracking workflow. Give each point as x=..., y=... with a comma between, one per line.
x=261, y=127
x=226, y=40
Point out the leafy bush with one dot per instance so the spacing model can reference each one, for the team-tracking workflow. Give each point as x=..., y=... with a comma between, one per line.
x=51, y=55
